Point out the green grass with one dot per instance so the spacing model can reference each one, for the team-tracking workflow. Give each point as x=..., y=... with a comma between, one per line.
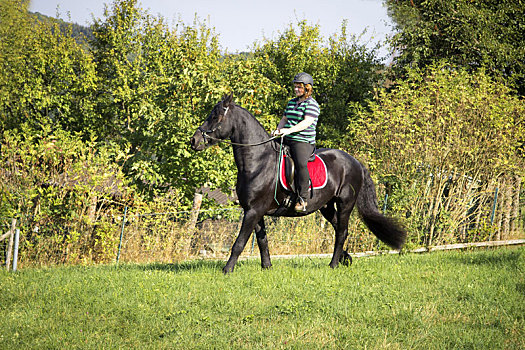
x=454, y=300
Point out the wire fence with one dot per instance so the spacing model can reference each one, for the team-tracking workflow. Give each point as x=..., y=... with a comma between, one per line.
x=441, y=213
x=4, y=227
x=169, y=237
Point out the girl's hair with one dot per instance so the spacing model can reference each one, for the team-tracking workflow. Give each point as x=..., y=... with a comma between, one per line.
x=308, y=90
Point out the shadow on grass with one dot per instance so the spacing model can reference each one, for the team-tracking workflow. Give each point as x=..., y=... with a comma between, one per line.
x=508, y=258
x=309, y=263
x=191, y=265
x=217, y=265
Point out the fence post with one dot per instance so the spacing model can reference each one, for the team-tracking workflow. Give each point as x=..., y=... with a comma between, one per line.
x=253, y=243
x=494, y=205
x=197, y=201
x=493, y=213
x=15, y=253
x=122, y=233
x=10, y=244
x=386, y=201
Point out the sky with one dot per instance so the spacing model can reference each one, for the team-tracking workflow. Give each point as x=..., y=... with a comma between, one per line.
x=240, y=23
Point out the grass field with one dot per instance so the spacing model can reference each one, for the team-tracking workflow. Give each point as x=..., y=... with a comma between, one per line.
x=442, y=300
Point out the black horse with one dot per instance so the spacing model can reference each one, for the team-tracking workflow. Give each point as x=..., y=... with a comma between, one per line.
x=348, y=183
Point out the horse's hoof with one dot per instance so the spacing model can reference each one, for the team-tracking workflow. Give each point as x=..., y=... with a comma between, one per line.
x=345, y=259
x=226, y=270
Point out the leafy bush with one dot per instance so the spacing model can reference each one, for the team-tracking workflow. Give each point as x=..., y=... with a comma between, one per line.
x=63, y=191
x=442, y=139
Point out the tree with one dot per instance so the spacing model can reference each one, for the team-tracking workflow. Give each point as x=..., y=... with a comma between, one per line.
x=157, y=85
x=154, y=87
x=446, y=118
x=470, y=34
x=142, y=88
x=45, y=76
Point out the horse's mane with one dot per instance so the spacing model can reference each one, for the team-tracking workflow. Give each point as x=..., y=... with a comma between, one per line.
x=257, y=122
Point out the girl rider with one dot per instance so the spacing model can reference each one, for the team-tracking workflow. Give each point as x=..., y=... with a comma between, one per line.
x=298, y=127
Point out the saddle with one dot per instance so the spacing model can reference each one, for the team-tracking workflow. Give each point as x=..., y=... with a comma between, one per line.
x=316, y=169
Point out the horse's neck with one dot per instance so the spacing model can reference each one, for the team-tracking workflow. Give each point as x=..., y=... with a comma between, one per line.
x=248, y=131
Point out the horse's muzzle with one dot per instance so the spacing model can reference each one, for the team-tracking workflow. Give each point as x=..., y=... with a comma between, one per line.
x=197, y=141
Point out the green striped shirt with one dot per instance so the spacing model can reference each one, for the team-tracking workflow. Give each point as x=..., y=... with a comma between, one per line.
x=295, y=113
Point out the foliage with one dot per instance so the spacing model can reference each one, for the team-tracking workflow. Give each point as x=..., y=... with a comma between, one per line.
x=429, y=301
x=148, y=95
x=79, y=32
x=45, y=76
x=252, y=90
x=145, y=87
x=470, y=34
x=62, y=192
x=440, y=139
x=444, y=117
x=158, y=86
x=89, y=126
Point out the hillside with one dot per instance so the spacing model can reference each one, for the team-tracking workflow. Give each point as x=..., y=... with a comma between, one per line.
x=79, y=32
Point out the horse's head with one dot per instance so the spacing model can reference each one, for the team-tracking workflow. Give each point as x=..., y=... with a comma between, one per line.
x=216, y=127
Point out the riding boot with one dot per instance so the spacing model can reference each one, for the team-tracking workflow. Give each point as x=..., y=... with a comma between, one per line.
x=300, y=205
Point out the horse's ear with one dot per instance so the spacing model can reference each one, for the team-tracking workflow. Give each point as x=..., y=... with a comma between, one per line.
x=227, y=99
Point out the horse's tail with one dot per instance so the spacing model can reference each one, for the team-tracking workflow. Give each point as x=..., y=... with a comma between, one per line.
x=386, y=229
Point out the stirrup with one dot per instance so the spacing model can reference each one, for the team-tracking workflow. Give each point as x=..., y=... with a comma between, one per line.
x=288, y=202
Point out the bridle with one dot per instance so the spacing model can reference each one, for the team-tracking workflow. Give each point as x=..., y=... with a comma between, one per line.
x=217, y=127
x=205, y=133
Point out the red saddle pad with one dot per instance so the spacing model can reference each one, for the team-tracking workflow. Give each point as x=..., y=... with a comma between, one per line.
x=316, y=168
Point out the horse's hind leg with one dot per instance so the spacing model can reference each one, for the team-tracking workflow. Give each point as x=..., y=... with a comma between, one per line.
x=262, y=242
x=330, y=214
x=345, y=259
x=342, y=216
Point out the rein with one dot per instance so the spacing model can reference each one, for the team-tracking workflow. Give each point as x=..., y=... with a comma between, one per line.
x=205, y=135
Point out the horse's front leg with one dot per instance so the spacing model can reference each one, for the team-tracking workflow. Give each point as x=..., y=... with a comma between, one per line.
x=262, y=242
x=249, y=221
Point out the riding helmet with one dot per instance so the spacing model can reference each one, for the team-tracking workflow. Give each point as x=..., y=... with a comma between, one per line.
x=304, y=78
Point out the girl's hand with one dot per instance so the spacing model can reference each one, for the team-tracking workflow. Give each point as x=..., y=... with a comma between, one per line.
x=282, y=132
